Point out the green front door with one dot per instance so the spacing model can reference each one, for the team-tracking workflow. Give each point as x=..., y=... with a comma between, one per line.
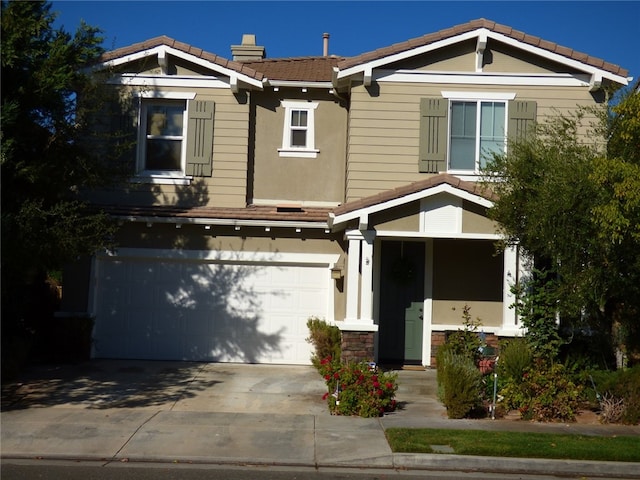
x=401, y=300
x=413, y=332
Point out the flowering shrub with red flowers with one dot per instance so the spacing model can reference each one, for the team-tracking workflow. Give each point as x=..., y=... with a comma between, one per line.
x=357, y=388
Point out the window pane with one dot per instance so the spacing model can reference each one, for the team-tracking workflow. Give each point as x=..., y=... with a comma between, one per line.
x=165, y=120
x=463, y=154
x=298, y=138
x=463, y=136
x=492, y=119
x=163, y=154
x=299, y=118
x=492, y=131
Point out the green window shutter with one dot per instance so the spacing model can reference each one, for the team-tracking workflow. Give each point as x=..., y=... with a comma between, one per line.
x=522, y=117
x=433, y=134
x=200, y=138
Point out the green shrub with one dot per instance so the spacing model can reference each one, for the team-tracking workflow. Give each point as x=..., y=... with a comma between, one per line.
x=545, y=393
x=357, y=389
x=621, y=385
x=628, y=388
x=515, y=358
x=467, y=341
x=326, y=340
x=459, y=383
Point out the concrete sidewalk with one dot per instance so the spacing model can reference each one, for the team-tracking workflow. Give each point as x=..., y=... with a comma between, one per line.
x=242, y=414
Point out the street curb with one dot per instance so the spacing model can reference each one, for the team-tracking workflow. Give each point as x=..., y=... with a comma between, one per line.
x=398, y=461
x=470, y=463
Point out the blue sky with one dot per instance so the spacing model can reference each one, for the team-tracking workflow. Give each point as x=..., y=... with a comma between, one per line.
x=605, y=29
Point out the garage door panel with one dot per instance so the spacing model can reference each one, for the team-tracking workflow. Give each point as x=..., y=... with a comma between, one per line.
x=207, y=311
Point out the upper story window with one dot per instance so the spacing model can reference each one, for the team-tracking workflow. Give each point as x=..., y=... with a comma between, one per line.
x=175, y=137
x=477, y=130
x=298, y=133
x=459, y=132
x=162, y=144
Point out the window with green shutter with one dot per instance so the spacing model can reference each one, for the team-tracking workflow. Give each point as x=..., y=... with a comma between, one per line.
x=461, y=135
x=175, y=139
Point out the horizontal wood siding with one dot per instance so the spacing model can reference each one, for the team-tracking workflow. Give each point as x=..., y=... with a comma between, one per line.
x=384, y=138
x=230, y=149
x=227, y=185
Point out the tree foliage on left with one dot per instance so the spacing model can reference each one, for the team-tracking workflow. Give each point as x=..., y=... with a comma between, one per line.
x=48, y=98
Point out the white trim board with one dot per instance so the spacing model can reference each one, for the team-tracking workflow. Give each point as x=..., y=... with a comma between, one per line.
x=427, y=192
x=224, y=256
x=593, y=72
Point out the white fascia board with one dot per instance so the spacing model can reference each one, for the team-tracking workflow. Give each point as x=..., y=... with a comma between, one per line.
x=480, y=78
x=296, y=84
x=406, y=54
x=447, y=235
x=443, y=188
x=164, y=50
x=273, y=202
x=320, y=259
x=215, y=67
x=223, y=222
x=592, y=71
x=135, y=80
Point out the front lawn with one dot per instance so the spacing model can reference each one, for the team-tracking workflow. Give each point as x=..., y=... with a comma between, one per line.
x=516, y=444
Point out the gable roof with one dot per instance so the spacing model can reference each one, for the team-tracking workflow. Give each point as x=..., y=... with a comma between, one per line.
x=506, y=31
x=472, y=191
x=131, y=52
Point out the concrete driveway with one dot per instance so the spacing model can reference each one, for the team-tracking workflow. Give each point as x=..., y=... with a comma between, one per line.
x=169, y=386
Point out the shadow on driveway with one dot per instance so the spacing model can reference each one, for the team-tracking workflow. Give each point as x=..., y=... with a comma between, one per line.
x=101, y=384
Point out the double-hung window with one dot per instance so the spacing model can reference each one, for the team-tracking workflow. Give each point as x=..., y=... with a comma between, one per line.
x=163, y=137
x=298, y=133
x=460, y=131
x=175, y=137
x=477, y=131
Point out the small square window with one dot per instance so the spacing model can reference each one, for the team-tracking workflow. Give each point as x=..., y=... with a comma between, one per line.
x=298, y=137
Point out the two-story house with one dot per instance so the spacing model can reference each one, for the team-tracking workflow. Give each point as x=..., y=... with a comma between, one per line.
x=267, y=191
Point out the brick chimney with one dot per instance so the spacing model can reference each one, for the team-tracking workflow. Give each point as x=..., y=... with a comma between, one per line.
x=248, y=50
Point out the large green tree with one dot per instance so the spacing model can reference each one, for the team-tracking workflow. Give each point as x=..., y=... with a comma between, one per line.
x=47, y=157
x=570, y=197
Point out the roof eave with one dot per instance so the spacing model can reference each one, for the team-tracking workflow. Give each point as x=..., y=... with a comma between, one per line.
x=596, y=73
x=162, y=50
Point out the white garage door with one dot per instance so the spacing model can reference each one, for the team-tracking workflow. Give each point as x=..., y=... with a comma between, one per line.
x=207, y=311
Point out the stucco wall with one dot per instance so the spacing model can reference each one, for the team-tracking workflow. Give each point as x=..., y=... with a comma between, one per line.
x=278, y=178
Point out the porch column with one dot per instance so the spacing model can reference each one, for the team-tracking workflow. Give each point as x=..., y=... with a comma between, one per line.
x=353, y=279
x=366, y=286
x=512, y=272
x=358, y=329
x=428, y=303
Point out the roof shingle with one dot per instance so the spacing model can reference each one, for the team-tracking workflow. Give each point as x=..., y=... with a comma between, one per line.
x=310, y=69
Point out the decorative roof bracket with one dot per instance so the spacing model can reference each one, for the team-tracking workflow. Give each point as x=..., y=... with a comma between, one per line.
x=163, y=61
x=480, y=48
x=368, y=73
x=596, y=82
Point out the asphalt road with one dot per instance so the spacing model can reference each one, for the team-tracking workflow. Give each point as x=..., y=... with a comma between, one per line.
x=65, y=470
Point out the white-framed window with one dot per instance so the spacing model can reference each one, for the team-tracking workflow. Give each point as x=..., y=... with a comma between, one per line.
x=162, y=137
x=162, y=131
x=460, y=131
x=298, y=133
x=477, y=130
